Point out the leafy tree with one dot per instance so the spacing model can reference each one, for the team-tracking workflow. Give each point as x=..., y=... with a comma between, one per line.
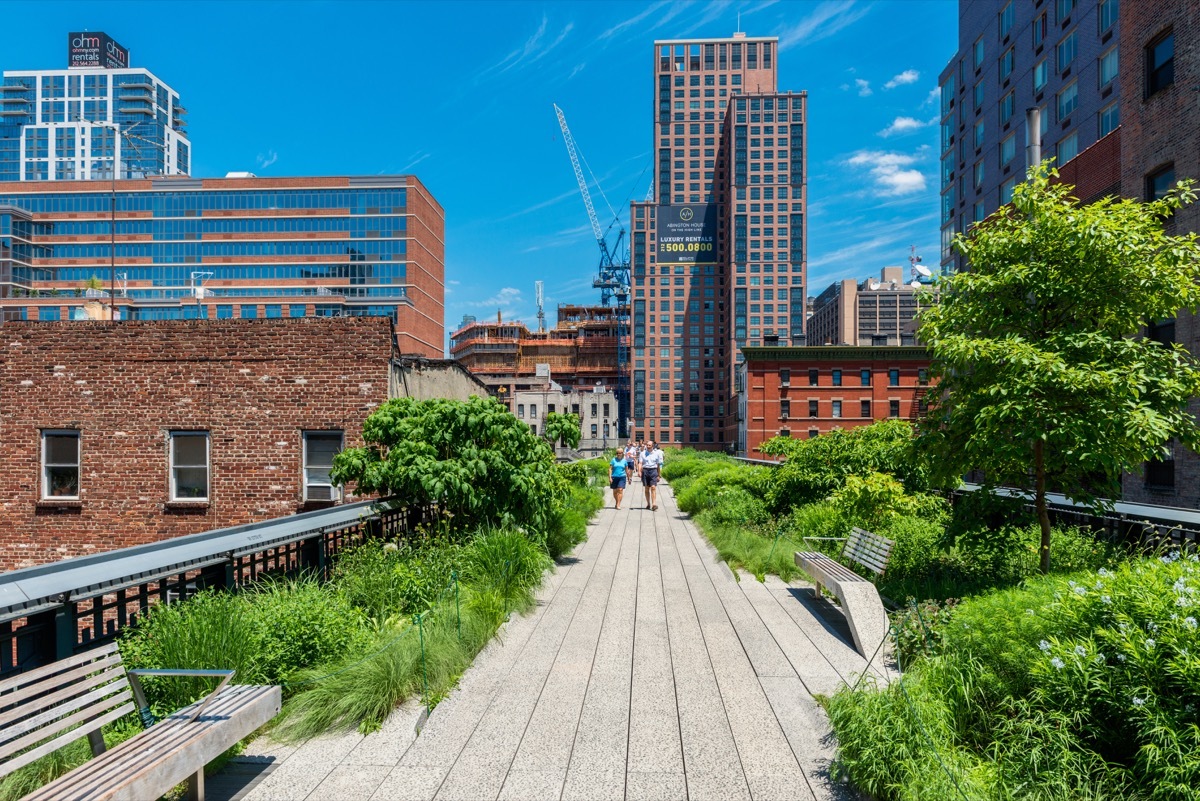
x=563, y=427
x=817, y=467
x=1039, y=371
x=474, y=459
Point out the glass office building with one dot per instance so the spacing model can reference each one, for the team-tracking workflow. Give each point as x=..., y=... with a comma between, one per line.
x=183, y=248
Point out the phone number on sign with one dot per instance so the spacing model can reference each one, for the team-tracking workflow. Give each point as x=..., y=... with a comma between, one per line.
x=687, y=247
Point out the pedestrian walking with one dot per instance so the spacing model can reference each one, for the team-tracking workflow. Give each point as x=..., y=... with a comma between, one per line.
x=617, y=470
x=631, y=459
x=652, y=461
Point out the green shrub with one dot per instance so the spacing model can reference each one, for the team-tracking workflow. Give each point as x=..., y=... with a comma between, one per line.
x=570, y=528
x=386, y=580
x=919, y=629
x=575, y=473
x=918, y=541
x=753, y=548
x=300, y=624
x=724, y=485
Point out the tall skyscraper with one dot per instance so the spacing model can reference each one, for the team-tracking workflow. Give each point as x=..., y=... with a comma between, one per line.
x=718, y=256
x=1059, y=57
x=77, y=123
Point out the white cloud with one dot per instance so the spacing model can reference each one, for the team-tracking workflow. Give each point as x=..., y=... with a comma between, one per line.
x=891, y=172
x=533, y=50
x=828, y=18
x=267, y=159
x=903, y=125
x=505, y=297
x=904, y=78
x=864, y=87
x=934, y=94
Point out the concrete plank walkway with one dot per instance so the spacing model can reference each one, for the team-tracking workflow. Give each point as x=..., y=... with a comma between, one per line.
x=647, y=671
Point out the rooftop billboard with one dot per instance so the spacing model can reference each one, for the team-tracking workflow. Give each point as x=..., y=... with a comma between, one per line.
x=95, y=50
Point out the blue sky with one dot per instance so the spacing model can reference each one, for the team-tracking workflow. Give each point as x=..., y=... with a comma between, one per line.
x=460, y=94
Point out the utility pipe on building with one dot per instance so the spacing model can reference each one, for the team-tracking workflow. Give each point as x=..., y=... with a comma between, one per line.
x=1033, y=137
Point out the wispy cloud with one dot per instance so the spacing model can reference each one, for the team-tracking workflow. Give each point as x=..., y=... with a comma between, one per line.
x=533, y=50
x=508, y=296
x=903, y=79
x=265, y=160
x=892, y=172
x=578, y=69
x=628, y=23
x=888, y=239
x=827, y=19
x=712, y=12
x=930, y=99
x=539, y=206
x=570, y=236
x=864, y=87
x=416, y=159
x=903, y=125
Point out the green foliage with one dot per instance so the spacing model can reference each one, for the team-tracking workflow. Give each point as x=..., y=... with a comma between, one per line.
x=395, y=580
x=874, y=500
x=733, y=491
x=575, y=473
x=474, y=459
x=1040, y=379
x=1081, y=687
x=570, y=528
x=815, y=468
x=563, y=427
x=752, y=548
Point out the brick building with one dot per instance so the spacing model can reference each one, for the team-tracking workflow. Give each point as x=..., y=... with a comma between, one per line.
x=221, y=248
x=1160, y=144
x=118, y=435
x=867, y=312
x=808, y=391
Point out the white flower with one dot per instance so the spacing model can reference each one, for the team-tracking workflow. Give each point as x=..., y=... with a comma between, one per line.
x=1058, y=663
x=1080, y=650
x=1149, y=645
x=1190, y=622
x=1099, y=585
x=1182, y=601
x=1071, y=584
x=1029, y=611
x=1120, y=657
x=1106, y=599
x=1105, y=572
x=1139, y=701
x=1183, y=652
x=1081, y=590
x=1151, y=626
x=1045, y=646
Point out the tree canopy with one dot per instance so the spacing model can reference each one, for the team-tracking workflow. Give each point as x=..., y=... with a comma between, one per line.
x=473, y=459
x=563, y=427
x=1040, y=371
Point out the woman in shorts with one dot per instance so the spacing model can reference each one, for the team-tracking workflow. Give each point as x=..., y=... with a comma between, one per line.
x=618, y=468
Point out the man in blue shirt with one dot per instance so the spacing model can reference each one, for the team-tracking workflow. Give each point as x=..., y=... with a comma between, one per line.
x=617, y=468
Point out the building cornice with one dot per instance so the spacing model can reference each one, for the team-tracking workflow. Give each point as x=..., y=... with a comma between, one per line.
x=839, y=353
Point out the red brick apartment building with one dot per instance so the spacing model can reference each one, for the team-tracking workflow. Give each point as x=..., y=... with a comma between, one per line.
x=121, y=434
x=808, y=391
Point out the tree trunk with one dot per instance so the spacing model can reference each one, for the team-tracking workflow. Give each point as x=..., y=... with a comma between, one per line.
x=1043, y=514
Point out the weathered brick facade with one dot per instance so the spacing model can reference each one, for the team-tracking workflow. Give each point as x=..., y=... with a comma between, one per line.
x=774, y=377
x=253, y=385
x=1161, y=129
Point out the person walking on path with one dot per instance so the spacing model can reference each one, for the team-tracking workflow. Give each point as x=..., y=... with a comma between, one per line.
x=652, y=461
x=631, y=454
x=617, y=471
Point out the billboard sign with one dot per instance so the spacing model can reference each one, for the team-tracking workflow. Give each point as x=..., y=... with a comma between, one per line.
x=95, y=50
x=687, y=234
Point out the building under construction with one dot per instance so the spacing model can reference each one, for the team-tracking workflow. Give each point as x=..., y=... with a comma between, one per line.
x=579, y=353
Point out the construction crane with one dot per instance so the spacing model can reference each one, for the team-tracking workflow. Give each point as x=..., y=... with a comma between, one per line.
x=612, y=278
x=539, y=296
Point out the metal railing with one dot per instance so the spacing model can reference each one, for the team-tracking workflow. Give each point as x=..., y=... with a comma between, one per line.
x=53, y=611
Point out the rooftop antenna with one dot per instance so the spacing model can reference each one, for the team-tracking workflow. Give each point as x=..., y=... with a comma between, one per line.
x=539, y=296
x=920, y=271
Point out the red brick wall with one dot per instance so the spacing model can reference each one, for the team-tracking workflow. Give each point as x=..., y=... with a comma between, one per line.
x=1096, y=172
x=765, y=390
x=255, y=385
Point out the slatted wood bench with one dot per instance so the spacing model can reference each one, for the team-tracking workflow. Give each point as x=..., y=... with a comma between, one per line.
x=860, y=600
x=51, y=706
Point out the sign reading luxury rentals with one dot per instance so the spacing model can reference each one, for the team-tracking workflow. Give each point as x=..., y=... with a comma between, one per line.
x=95, y=49
x=686, y=234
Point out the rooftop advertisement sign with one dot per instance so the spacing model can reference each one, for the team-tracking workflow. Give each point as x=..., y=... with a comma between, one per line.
x=95, y=50
x=687, y=234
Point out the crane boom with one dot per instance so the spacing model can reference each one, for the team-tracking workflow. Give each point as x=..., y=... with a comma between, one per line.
x=569, y=140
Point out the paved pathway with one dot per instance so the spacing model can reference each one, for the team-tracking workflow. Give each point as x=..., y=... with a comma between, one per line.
x=647, y=671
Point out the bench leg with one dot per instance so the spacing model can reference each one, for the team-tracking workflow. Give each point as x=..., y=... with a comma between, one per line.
x=195, y=786
x=96, y=741
x=819, y=589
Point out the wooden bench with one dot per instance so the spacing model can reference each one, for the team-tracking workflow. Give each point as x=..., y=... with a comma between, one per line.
x=860, y=600
x=49, y=707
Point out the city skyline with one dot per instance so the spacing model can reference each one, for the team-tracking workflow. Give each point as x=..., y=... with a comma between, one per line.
x=466, y=105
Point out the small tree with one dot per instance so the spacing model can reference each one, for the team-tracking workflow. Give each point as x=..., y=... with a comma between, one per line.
x=565, y=428
x=474, y=459
x=1040, y=372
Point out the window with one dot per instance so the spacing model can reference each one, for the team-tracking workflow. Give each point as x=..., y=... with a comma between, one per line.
x=812, y=409
x=1041, y=75
x=894, y=377
x=1162, y=331
x=533, y=411
x=1160, y=473
x=1006, y=64
x=1039, y=30
x=60, y=464
x=837, y=409
x=864, y=376
x=785, y=409
x=1008, y=149
x=813, y=433
x=521, y=410
x=893, y=408
x=979, y=95
x=866, y=408
x=978, y=175
x=979, y=134
x=980, y=212
x=837, y=378
x=1006, y=191
x=1008, y=105
x=1006, y=19
x=785, y=377
x=1066, y=50
x=189, y=465
x=1068, y=99
x=922, y=376
x=1065, y=7
x=1110, y=118
x=1068, y=148
x=1108, y=67
x=319, y=449
x=1108, y=14
x=1159, y=181
x=1160, y=63
x=813, y=375
x=979, y=53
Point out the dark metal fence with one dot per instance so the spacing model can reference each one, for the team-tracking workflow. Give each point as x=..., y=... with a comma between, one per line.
x=54, y=611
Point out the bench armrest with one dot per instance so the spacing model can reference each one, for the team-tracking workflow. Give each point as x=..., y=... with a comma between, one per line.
x=140, y=697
